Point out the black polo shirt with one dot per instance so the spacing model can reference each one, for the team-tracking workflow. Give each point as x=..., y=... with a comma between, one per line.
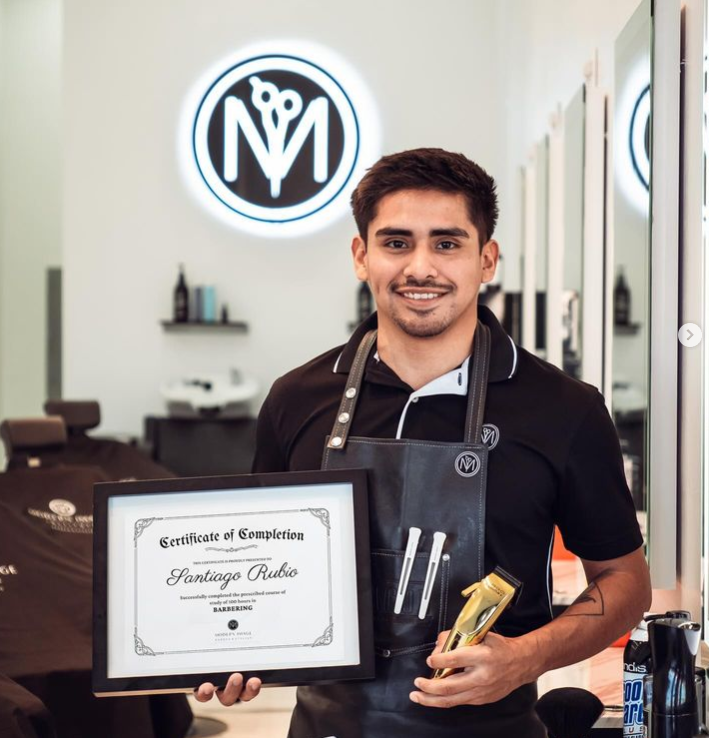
x=554, y=459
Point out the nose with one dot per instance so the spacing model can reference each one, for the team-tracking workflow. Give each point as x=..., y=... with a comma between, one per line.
x=420, y=265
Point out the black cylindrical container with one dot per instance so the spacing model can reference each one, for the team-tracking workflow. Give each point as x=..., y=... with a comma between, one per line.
x=674, y=643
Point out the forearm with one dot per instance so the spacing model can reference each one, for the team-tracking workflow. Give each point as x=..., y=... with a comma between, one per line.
x=618, y=594
x=612, y=604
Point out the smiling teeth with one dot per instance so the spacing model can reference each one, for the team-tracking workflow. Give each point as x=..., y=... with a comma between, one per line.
x=420, y=295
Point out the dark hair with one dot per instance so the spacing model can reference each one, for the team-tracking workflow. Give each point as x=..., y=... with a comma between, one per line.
x=428, y=169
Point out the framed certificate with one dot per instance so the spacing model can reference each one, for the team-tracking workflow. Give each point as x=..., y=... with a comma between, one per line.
x=264, y=574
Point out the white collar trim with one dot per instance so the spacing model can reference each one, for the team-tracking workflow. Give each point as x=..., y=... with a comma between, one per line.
x=454, y=382
x=514, y=361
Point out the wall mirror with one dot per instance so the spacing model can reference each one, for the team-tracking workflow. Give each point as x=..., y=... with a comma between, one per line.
x=644, y=271
x=541, y=205
x=631, y=258
x=573, y=253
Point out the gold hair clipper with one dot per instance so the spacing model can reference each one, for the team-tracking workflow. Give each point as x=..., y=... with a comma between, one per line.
x=487, y=601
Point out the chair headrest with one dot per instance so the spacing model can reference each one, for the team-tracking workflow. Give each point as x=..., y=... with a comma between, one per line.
x=32, y=435
x=79, y=415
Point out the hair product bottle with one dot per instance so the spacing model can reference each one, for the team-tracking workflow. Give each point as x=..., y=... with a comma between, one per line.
x=621, y=300
x=365, y=305
x=181, y=299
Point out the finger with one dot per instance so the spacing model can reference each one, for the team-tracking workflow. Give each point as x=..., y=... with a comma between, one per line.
x=443, y=701
x=460, y=658
x=440, y=641
x=231, y=693
x=451, y=685
x=253, y=687
x=204, y=692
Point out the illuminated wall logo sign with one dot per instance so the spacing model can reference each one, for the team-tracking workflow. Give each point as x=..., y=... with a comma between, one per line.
x=277, y=141
x=640, y=137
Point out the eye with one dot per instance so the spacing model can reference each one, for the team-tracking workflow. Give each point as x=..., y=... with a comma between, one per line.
x=447, y=245
x=396, y=244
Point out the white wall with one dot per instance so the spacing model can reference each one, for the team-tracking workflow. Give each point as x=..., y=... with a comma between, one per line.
x=30, y=198
x=129, y=219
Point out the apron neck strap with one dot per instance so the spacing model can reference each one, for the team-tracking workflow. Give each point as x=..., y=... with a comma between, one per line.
x=477, y=384
x=477, y=388
x=343, y=422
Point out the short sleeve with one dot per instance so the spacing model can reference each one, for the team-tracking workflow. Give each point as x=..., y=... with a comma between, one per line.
x=268, y=456
x=595, y=513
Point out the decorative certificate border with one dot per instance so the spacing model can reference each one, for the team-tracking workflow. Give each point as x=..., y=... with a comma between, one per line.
x=321, y=513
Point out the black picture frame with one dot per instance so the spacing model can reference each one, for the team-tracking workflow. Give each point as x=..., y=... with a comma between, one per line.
x=104, y=686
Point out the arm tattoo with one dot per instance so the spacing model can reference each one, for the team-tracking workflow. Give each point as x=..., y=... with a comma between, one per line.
x=590, y=602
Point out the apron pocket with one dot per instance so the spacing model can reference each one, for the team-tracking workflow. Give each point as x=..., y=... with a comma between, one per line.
x=406, y=633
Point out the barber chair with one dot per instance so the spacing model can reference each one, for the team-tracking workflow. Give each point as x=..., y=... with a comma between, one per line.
x=57, y=499
x=22, y=715
x=118, y=460
x=46, y=585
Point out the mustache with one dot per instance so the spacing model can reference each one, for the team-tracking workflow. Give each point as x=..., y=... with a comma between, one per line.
x=425, y=284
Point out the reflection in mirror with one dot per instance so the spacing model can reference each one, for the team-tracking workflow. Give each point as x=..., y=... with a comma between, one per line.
x=541, y=161
x=528, y=257
x=631, y=229
x=574, y=123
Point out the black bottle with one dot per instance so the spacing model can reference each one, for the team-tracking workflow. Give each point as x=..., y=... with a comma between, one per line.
x=181, y=299
x=621, y=300
x=365, y=305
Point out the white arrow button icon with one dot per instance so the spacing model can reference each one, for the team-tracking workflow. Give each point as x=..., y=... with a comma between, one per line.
x=690, y=335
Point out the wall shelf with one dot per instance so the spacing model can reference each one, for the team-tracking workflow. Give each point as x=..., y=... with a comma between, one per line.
x=194, y=327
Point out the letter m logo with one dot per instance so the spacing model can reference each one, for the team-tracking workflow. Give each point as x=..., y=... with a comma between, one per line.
x=467, y=464
x=275, y=156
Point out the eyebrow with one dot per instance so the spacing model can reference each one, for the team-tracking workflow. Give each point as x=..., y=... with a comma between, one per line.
x=453, y=232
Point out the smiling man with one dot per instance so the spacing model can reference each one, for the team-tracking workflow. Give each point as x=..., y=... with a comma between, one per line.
x=466, y=434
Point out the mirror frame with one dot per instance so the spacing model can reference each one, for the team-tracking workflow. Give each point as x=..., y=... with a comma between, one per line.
x=664, y=294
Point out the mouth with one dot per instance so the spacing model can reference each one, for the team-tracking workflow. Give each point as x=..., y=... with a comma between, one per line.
x=420, y=297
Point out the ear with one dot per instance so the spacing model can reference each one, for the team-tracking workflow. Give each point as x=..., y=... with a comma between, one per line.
x=489, y=257
x=359, y=257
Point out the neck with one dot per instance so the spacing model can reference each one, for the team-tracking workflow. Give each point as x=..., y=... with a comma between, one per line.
x=418, y=361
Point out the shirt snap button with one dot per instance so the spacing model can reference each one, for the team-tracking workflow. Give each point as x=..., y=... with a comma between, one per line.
x=414, y=399
x=344, y=417
x=386, y=653
x=336, y=441
x=351, y=392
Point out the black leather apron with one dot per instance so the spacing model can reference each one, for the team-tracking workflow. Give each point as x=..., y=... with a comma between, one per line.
x=437, y=487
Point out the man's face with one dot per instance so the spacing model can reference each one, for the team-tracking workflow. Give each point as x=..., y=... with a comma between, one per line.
x=423, y=262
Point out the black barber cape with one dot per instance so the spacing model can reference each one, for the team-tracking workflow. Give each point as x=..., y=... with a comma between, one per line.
x=22, y=715
x=46, y=608
x=117, y=460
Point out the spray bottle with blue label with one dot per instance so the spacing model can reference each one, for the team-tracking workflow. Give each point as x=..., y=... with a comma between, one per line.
x=636, y=664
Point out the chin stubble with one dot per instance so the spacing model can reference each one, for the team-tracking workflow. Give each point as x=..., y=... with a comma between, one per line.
x=421, y=329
